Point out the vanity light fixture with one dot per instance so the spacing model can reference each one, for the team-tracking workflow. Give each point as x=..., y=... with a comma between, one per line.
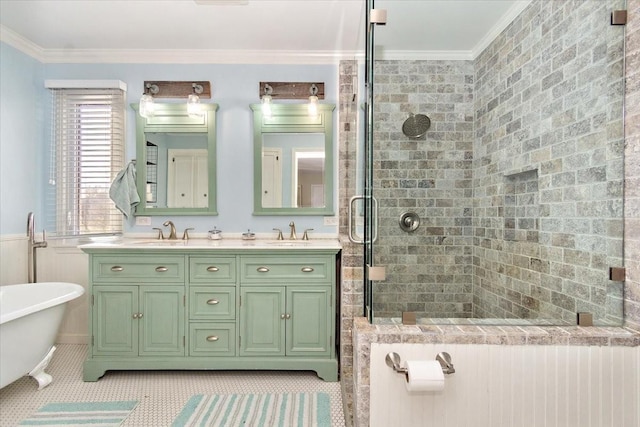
x=193, y=102
x=308, y=91
x=146, y=101
x=194, y=91
x=266, y=100
x=313, y=100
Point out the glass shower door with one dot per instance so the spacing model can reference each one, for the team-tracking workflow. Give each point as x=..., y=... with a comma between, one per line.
x=518, y=182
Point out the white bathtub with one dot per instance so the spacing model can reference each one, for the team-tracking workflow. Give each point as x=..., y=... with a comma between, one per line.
x=30, y=316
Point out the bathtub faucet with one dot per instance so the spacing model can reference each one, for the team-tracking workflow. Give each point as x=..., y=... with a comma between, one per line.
x=33, y=245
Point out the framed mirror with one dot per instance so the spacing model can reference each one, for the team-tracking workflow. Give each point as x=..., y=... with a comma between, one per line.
x=293, y=160
x=176, y=161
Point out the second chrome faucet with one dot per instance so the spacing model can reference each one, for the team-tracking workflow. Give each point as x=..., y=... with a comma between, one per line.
x=292, y=234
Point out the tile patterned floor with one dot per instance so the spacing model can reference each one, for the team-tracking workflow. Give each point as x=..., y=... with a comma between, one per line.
x=161, y=394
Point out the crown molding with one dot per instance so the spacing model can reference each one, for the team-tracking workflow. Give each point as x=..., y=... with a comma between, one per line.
x=499, y=27
x=173, y=56
x=24, y=45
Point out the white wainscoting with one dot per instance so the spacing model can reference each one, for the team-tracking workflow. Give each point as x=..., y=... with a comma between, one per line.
x=509, y=386
x=13, y=259
x=60, y=261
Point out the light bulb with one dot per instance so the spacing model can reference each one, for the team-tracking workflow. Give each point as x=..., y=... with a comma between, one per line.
x=266, y=106
x=313, y=105
x=147, y=106
x=194, y=108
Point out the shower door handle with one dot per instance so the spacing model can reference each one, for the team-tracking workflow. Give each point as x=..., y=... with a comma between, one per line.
x=351, y=222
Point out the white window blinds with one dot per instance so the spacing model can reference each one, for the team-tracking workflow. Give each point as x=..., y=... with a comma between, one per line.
x=87, y=153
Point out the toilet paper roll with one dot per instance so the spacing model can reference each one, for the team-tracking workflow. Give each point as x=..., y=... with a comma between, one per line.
x=424, y=375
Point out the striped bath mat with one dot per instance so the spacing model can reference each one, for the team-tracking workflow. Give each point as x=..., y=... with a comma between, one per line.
x=256, y=410
x=86, y=414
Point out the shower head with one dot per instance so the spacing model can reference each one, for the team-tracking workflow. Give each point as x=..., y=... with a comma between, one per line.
x=416, y=125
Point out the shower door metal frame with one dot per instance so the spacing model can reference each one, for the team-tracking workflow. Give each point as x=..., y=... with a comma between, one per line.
x=370, y=205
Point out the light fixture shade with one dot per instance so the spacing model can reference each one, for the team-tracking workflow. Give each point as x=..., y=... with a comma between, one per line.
x=313, y=106
x=147, y=106
x=194, y=108
x=266, y=105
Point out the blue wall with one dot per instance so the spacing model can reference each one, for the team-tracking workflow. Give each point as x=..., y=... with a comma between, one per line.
x=234, y=87
x=22, y=102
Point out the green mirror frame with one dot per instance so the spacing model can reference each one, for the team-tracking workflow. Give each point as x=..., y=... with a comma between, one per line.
x=173, y=119
x=293, y=118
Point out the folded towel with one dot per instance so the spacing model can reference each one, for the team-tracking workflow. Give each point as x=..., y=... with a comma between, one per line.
x=123, y=190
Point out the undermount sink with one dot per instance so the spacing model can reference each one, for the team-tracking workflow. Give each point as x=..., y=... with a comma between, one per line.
x=161, y=243
x=290, y=243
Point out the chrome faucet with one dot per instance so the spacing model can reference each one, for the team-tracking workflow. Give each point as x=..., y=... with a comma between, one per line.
x=293, y=236
x=172, y=230
x=33, y=245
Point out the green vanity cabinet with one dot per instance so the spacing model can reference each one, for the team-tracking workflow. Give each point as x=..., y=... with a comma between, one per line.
x=184, y=307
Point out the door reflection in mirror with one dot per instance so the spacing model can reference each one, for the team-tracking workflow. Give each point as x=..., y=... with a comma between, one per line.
x=179, y=176
x=293, y=170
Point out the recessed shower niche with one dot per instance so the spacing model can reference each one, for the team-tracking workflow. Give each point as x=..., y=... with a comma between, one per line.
x=521, y=206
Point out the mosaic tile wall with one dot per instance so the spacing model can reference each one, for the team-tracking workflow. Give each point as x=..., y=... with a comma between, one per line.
x=429, y=270
x=632, y=168
x=548, y=141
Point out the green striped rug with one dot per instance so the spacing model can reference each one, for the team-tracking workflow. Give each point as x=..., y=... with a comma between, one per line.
x=87, y=414
x=256, y=410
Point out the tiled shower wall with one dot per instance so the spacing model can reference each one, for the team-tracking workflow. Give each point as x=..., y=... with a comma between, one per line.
x=429, y=270
x=548, y=175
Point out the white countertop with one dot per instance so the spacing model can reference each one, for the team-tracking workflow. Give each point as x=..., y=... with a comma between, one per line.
x=195, y=243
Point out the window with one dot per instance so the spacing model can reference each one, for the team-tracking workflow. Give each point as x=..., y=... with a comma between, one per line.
x=87, y=153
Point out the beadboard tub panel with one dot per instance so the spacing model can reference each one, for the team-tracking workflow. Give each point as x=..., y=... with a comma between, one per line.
x=514, y=385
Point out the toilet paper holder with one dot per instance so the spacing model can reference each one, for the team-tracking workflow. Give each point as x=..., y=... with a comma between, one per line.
x=393, y=361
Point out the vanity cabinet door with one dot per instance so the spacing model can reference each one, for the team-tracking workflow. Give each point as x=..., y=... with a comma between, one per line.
x=262, y=326
x=285, y=321
x=308, y=326
x=115, y=329
x=138, y=320
x=161, y=320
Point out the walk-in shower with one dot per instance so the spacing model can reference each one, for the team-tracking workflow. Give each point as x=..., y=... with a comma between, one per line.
x=518, y=182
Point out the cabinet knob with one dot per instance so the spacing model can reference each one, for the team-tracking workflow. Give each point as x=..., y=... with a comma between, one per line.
x=287, y=316
x=306, y=269
x=212, y=269
x=139, y=315
x=161, y=269
x=282, y=316
x=212, y=301
x=135, y=315
x=212, y=338
x=262, y=269
x=117, y=268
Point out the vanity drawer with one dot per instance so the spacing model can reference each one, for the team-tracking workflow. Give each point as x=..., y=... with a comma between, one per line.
x=299, y=269
x=212, y=269
x=138, y=268
x=212, y=302
x=212, y=339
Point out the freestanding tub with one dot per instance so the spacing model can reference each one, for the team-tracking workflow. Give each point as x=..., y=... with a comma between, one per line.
x=30, y=316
